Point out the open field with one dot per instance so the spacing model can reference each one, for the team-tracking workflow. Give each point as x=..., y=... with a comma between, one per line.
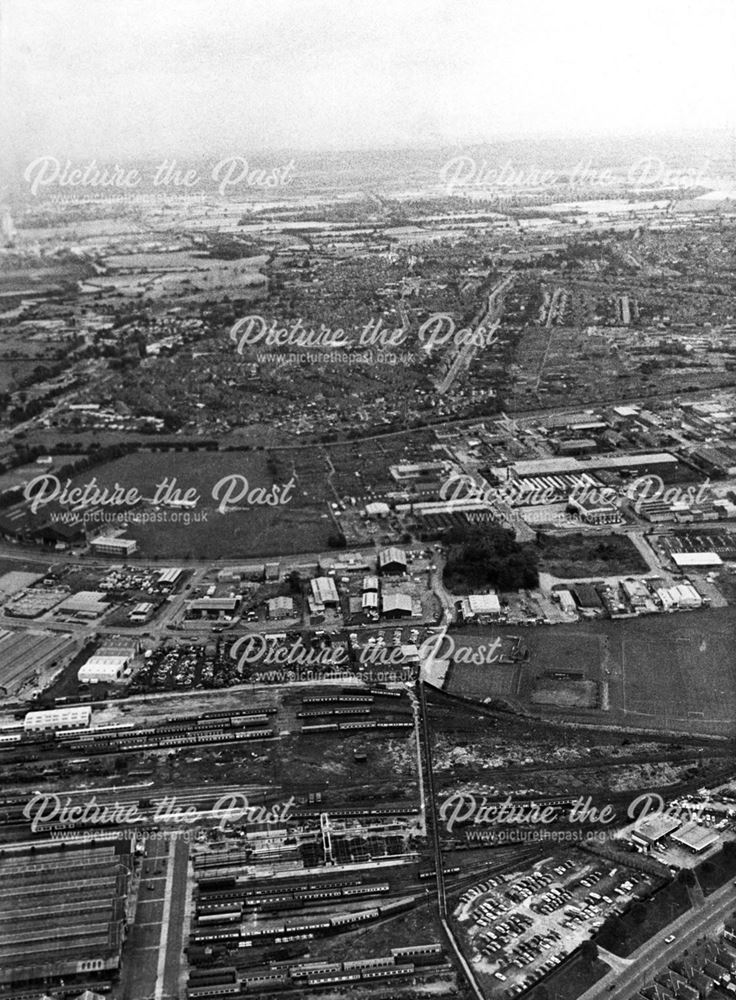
x=663, y=671
x=301, y=525
x=579, y=555
x=565, y=694
x=570, y=980
x=493, y=680
x=623, y=936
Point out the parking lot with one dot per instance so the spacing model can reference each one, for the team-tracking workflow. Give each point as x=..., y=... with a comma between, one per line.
x=520, y=927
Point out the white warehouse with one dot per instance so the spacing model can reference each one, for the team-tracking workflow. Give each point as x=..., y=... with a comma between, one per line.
x=77, y=717
x=102, y=670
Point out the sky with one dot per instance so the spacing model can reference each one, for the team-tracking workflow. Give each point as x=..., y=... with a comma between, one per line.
x=119, y=78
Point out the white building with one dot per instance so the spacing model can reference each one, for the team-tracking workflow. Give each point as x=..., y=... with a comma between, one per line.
x=685, y=560
x=110, y=545
x=567, y=601
x=481, y=606
x=77, y=717
x=686, y=596
x=142, y=612
x=324, y=591
x=102, y=670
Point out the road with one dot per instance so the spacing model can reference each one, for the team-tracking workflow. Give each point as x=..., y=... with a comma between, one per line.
x=622, y=982
x=152, y=953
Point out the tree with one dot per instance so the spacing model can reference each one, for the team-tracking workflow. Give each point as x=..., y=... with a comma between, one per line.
x=483, y=555
x=589, y=951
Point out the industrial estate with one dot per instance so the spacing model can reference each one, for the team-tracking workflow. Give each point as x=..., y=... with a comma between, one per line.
x=368, y=579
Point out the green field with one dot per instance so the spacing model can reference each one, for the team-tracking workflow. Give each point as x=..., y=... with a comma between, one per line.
x=301, y=525
x=580, y=555
x=664, y=671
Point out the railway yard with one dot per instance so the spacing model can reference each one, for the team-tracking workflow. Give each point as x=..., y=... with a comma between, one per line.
x=324, y=844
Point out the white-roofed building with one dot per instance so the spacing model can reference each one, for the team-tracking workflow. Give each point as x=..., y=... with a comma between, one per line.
x=686, y=596
x=102, y=670
x=377, y=508
x=369, y=601
x=142, y=611
x=77, y=717
x=688, y=559
x=84, y=604
x=396, y=605
x=567, y=601
x=481, y=606
x=324, y=591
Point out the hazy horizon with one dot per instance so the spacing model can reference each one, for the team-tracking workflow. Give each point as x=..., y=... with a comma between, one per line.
x=85, y=78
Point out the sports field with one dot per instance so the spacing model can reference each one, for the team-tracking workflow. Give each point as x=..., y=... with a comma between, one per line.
x=675, y=672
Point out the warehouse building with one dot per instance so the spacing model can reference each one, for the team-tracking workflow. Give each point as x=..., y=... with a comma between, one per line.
x=142, y=612
x=392, y=561
x=168, y=578
x=481, y=607
x=595, y=511
x=686, y=596
x=660, y=462
x=324, y=592
x=649, y=832
x=31, y=656
x=212, y=608
x=576, y=446
x=688, y=560
x=695, y=838
x=396, y=606
x=85, y=604
x=77, y=717
x=565, y=599
x=68, y=913
x=101, y=669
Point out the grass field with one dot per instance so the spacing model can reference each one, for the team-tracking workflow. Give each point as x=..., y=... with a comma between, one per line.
x=301, y=525
x=624, y=936
x=492, y=680
x=565, y=694
x=663, y=671
x=717, y=870
x=678, y=669
x=580, y=555
x=570, y=980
